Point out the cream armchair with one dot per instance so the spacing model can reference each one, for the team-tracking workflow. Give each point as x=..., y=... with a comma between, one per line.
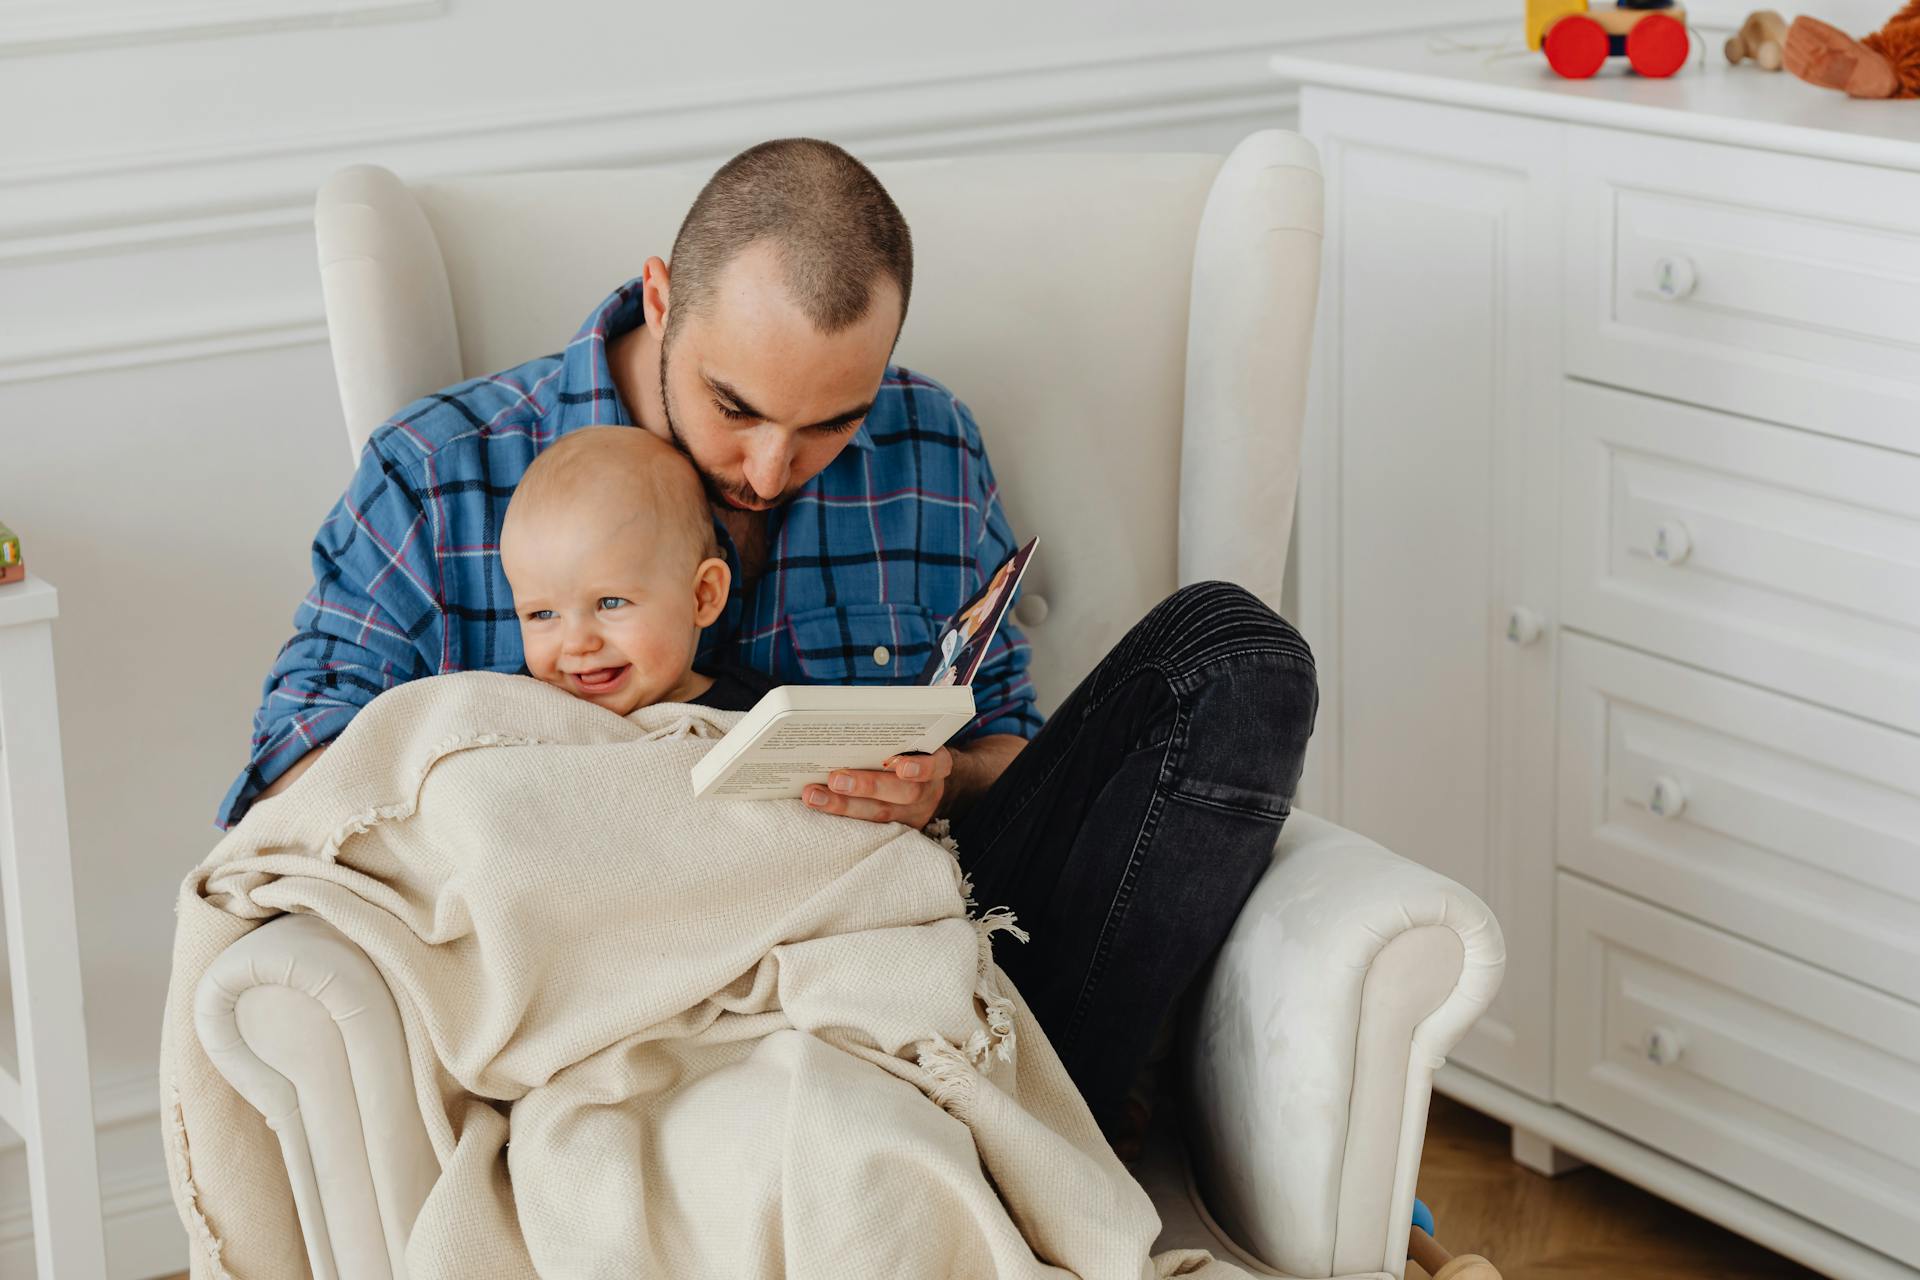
x=1133, y=333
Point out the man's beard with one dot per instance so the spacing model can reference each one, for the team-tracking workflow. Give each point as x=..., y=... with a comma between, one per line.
x=719, y=492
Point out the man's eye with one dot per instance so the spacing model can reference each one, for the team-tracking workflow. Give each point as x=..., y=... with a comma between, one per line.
x=611, y=602
x=844, y=427
x=727, y=411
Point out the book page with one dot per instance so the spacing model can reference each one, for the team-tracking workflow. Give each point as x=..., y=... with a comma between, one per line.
x=802, y=747
x=801, y=731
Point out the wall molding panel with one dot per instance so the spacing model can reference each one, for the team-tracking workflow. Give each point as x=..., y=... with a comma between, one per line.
x=145, y=295
x=64, y=26
x=967, y=107
x=150, y=230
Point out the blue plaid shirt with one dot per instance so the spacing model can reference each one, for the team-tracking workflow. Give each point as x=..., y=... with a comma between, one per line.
x=865, y=562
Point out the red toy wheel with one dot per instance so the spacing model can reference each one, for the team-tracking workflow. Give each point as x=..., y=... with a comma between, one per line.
x=1575, y=46
x=1657, y=45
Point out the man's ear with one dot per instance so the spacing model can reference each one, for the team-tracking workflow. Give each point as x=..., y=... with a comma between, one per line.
x=653, y=294
x=711, y=582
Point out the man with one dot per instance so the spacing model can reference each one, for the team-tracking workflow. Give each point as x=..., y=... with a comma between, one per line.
x=857, y=507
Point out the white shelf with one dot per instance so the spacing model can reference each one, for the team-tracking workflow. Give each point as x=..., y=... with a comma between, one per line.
x=30, y=600
x=45, y=1091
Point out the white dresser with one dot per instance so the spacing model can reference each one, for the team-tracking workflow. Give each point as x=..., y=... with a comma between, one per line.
x=1609, y=549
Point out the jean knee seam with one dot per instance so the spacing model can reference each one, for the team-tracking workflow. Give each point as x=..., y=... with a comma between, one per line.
x=1292, y=658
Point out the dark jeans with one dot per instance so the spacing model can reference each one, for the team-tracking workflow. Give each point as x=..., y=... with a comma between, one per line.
x=1128, y=834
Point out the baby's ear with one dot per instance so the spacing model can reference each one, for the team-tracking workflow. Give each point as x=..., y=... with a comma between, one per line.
x=711, y=582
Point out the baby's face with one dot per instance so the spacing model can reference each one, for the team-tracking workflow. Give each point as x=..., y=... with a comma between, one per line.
x=600, y=615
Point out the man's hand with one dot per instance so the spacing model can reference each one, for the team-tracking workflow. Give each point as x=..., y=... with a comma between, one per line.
x=916, y=789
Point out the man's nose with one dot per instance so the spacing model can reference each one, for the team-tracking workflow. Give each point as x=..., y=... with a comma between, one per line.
x=767, y=467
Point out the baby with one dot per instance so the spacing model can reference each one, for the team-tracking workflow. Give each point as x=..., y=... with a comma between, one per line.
x=609, y=548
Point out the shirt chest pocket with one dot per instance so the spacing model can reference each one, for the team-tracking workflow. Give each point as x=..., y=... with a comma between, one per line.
x=862, y=643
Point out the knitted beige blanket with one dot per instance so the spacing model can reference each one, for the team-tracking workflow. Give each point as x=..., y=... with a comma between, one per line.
x=729, y=1038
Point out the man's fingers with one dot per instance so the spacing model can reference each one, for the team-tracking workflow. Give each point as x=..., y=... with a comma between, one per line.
x=908, y=786
x=873, y=785
x=824, y=801
x=923, y=768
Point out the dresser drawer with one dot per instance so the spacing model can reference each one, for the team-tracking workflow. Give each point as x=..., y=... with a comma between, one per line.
x=1801, y=1087
x=1764, y=553
x=1783, y=287
x=1789, y=824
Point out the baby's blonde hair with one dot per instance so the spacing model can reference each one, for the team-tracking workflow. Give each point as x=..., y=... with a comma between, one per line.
x=629, y=469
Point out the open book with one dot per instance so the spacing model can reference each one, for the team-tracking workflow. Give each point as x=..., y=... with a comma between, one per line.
x=798, y=734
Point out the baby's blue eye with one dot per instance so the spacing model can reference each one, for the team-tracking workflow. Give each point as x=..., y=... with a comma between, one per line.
x=539, y=615
x=611, y=602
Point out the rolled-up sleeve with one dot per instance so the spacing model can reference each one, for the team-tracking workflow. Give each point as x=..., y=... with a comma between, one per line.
x=1003, y=692
x=373, y=619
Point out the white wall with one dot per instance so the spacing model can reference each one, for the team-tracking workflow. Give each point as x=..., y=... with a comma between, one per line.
x=169, y=438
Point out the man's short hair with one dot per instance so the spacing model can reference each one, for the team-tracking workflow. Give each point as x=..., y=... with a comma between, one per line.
x=835, y=227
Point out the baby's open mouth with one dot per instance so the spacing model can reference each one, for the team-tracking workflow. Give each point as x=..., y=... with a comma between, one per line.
x=602, y=680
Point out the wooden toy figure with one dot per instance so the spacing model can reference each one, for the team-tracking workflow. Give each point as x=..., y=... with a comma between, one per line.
x=1762, y=37
x=12, y=569
x=1441, y=1265
x=1436, y=1261
x=1578, y=40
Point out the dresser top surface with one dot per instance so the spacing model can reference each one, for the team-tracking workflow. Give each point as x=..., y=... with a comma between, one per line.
x=1490, y=67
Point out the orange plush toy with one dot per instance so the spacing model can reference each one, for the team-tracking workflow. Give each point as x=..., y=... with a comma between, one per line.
x=1885, y=64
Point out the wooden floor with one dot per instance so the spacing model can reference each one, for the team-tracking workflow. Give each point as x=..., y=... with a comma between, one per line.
x=1585, y=1225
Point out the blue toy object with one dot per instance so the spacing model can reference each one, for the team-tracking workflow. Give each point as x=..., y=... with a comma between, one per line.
x=1436, y=1261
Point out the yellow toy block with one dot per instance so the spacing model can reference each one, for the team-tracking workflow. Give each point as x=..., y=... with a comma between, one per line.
x=1542, y=14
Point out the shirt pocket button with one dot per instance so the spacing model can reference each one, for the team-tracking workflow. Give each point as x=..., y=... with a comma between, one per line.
x=882, y=656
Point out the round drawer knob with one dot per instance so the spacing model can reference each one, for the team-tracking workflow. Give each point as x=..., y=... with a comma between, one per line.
x=1031, y=610
x=1671, y=542
x=1664, y=1046
x=1524, y=625
x=1668, y=799
x=1674, y=277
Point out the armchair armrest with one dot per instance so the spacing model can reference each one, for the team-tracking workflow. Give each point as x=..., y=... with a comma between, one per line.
x=1349, y=975
x=300, y=1022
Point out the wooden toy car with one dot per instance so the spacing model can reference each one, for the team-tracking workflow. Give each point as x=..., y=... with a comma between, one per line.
x=12, y=569
x=1578, y=40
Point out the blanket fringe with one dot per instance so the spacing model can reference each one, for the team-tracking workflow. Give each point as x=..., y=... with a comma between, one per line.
x=952, y=1079
x=940, y=831
x=994, y=1003
x=368, y=819
x=687, y=726
x=210, y=1244
x=954, y=1071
